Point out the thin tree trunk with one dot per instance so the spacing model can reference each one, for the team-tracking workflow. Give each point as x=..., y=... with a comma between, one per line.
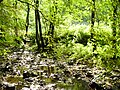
x=16, y=30
x=114, y=26
x=27, y=19
x=92, y=25
x=40, y=30
x=53, y=11
x=51, y=29
x=38, y=26
x=36, y=23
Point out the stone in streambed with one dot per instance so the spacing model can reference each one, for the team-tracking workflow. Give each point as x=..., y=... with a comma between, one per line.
x=89, y=75
x=71, y=62
x=26, y=74
x=8, y=86
x=95, y=86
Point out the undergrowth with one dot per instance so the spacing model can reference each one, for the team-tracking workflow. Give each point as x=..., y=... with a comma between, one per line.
x=75, y=44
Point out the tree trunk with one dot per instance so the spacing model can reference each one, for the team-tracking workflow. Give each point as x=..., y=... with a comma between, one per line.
x=38, y=26
x=27, y=19
x=51, y=29
x=36, y=23
x=16, y=30
x=53, y=11
x=114, y=26
x=40, y=30
x=92, y=25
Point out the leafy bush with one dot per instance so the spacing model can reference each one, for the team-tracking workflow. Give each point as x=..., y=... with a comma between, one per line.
x=70, y=43
x=81, y=37
x=80, y=34
x=73, y=43
x=8, y=42
x=105, y=50
x=62, y=51
x=103, y=36
x=81, y=51
x=64, y=36
x=106, y=56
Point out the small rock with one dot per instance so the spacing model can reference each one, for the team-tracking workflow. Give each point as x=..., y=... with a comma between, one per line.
x=30, y=79
x=71, y=62
x=108, y=88
x=26, y=74
x=66, y=72
x=34, y=74
x=42, y=83
x=25, y=88
x=34, y=87
x=89, y=75
x=50, y=87
x=77, y=75
x=94, y=85
x=8, y=86
x=55, y=77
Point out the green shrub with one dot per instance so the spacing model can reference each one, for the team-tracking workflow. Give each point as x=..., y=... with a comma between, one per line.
x=81, y=51
x=103, y=36
x=81, y=37
x=62, y=51
x=72, y=43
x=80, y=34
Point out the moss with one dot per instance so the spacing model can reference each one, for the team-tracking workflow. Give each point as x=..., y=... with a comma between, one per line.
x=14, y=79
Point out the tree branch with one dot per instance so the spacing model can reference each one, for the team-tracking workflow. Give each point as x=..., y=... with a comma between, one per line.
x=35, y=7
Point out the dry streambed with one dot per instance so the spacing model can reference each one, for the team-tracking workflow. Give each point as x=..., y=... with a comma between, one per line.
x=26, y=70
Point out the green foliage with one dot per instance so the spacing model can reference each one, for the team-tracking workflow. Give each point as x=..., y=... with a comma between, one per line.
x=9, y=41
x=81, y=51
x=106, y=56
x=76, y=34
x=103, y=36
x=82, y=36
x=69, y=44
x=65, y=36
x=62, y=52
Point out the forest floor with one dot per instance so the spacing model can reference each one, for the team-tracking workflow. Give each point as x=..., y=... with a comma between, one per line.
x=26, y=70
